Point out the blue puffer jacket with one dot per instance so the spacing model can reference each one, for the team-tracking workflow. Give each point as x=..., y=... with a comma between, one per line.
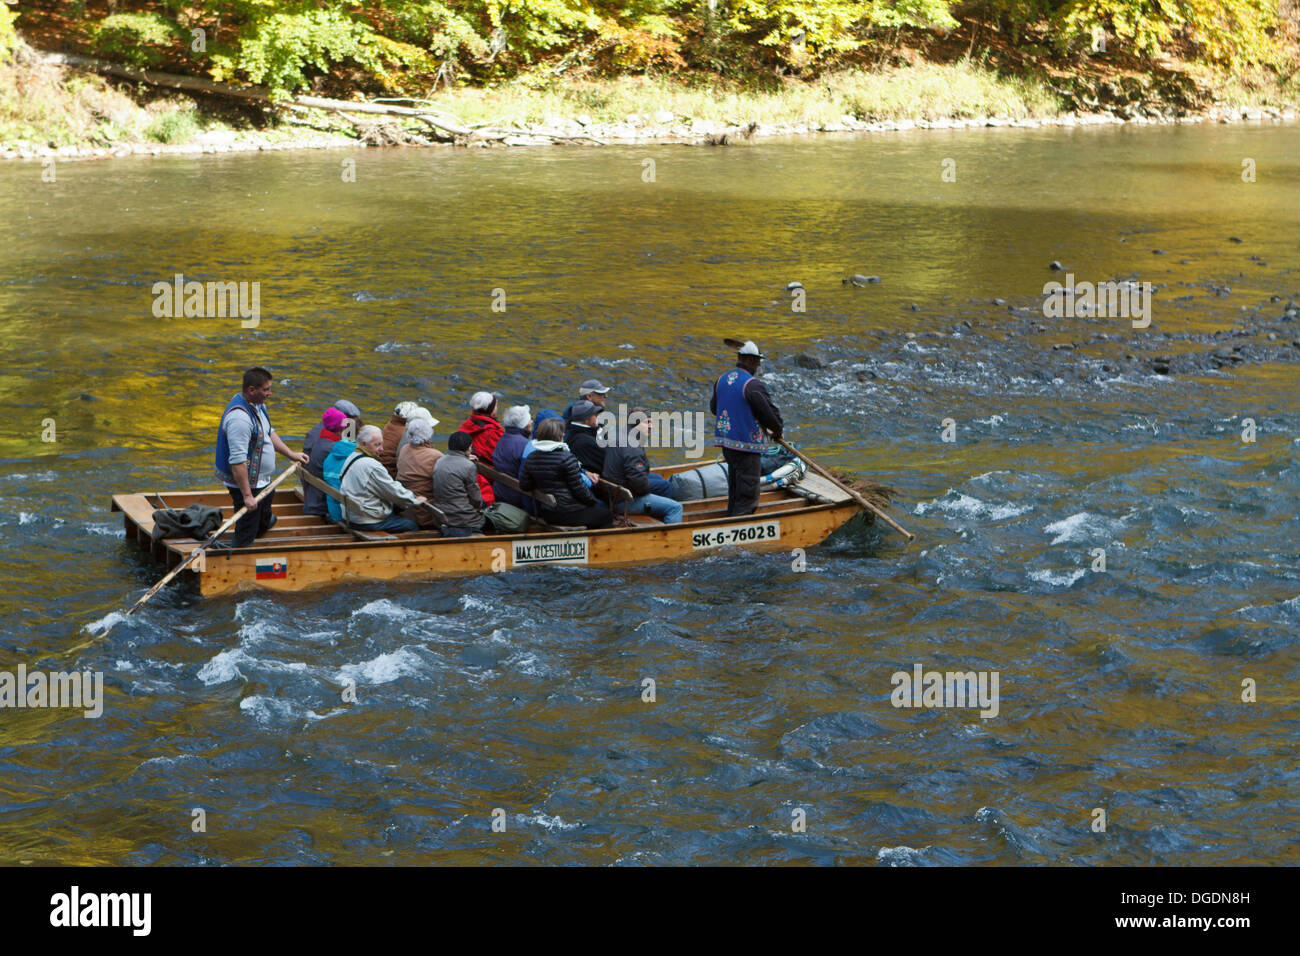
x=507, y=457
x=334, y=462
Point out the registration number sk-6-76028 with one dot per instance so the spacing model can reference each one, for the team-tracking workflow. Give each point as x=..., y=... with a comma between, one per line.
x=737, y=534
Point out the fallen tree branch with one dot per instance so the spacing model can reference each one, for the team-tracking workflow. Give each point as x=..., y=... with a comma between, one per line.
x=462, y=134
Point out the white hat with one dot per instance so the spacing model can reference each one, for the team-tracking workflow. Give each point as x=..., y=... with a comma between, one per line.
x=481, y=401
x=749, y=348
x=424, y=413
x=405, y=409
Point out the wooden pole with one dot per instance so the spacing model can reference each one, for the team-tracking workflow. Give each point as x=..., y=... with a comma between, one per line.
x=203, y=547
x=830, y=476
x=544, y=498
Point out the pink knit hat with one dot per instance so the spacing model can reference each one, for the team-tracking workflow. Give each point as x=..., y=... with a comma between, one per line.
x=333, y=419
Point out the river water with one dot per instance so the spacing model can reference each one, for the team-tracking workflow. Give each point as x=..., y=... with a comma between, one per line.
x=1120, y=689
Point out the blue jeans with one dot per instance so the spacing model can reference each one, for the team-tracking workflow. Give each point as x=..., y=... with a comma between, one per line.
x=657, y=506
x=660, y=486
x=393, y=522
x=451, y=531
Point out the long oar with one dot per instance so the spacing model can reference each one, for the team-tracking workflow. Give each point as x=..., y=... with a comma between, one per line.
x=203, y=547
x=545, y=498
x=830, y=476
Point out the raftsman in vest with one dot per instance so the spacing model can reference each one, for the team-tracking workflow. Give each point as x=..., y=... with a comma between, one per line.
x=222, y=459
x=737, y=427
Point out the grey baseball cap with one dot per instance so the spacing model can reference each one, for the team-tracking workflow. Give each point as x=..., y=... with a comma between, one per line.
x=584, y=410
x=592, y=385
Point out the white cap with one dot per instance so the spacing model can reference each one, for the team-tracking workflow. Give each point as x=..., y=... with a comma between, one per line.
x=749, y=348
x=481, y=401
x=424, y=413
x=405, y=409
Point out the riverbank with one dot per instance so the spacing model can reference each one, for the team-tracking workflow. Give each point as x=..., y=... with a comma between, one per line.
x=48, y=110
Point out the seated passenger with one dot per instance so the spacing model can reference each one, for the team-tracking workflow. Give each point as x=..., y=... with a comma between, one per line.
x=509, y=453
x=583, y=439
x=327, y=433
x=419, y=412
x=393, y=432
x=552, y=468
x=482, y=426
x=590, y=391
x=415, y=463
x=626, y=464
x=456, y=489
x=348, y=409
x=367, y=483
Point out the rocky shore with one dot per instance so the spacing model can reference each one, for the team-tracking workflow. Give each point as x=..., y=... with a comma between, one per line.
x=635, y=129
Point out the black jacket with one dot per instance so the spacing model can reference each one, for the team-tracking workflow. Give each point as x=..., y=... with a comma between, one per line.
x=582, y=442
x=555, y=470
x=627, y=466
x=768, y=415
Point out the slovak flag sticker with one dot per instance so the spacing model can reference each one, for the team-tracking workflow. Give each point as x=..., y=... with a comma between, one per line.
x=272, y=568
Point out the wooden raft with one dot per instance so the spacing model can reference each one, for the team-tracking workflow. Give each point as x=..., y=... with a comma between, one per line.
x=305, y=551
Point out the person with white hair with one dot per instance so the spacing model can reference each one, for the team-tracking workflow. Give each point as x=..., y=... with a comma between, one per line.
x=372, y=492
x=484, y=431
x=415, y=461
x=509, y=453
x=420, y=412
x=393, y=432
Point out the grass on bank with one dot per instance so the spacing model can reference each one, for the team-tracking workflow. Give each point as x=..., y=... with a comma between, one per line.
x=925, y=91
x=48, y=106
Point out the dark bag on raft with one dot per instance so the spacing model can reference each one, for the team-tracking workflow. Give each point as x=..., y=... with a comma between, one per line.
x=196, y=521
x=506, y=518
x=710, y=481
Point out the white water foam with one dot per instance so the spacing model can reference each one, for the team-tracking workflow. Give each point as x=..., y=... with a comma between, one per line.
x=550, y=823
x=1063, y=580
x=402, y=662
x=387, y=609
x=266, y=710
x=225, y=666
x=471, y=603
x=965, y=506
x=1083, y=527
x=899, y=855
x=111, y=619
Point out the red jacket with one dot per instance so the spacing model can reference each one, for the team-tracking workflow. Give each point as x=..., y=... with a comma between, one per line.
x=486, y=432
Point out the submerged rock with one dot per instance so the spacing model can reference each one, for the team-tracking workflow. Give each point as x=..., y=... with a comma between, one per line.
x=1056, y=266
x=811, y=360
x=860, y=280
